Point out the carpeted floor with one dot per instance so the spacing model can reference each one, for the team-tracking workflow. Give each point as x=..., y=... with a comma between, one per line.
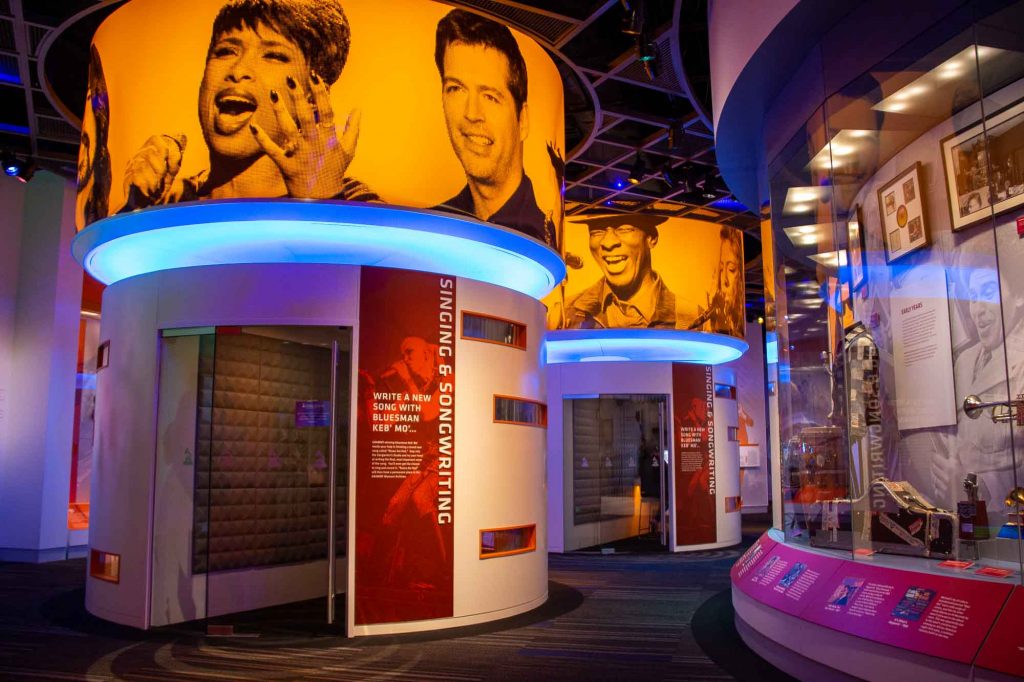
x=623, y=616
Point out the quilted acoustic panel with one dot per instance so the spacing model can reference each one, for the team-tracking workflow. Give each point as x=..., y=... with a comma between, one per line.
x=586, y=480
x=260, y=486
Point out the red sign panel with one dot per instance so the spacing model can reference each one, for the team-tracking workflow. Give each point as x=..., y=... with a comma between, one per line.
x=693, y=421
x=405, y=457
x=1004, y=648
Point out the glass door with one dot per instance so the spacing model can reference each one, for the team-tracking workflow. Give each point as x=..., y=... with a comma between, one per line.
x=266, y=410
x=619, y=487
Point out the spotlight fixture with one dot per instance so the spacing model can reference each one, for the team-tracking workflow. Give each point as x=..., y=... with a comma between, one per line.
x=675, y=135
x=667, y=175
x=631, y=23
x=647, y=53
x=707, y=185
x=11, y=164
x=686, y=180
x=14, y=167
x=639, y=170
x=633, y=19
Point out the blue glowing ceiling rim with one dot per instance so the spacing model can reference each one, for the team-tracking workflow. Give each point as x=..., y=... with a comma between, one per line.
x=641, y=345
x=333, y=232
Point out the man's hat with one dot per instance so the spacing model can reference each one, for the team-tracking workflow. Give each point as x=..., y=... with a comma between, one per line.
x=648, y=222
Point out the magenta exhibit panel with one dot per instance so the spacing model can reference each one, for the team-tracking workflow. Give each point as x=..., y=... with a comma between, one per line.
x=892, y=189
x=320, y=358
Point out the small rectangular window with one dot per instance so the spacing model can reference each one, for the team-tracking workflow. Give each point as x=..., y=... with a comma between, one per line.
x=725, y=391
x=733, y=434
x=508, y=410
x=103, y=355
x=495, y=542
x=493, y=330
x=105, y=566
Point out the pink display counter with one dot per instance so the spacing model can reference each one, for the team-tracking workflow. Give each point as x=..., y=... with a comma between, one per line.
x=876, y=615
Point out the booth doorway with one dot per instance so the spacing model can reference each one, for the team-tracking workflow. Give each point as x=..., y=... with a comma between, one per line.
x=249, y=515
x=620, y=472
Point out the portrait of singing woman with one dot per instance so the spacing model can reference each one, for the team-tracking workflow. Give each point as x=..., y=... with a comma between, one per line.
x=265, y=112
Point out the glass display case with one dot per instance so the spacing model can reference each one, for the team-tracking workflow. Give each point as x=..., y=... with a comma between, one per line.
x=898, y=222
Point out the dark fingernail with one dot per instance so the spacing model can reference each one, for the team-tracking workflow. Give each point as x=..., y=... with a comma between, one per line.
x=291, y=82
x=315, y=78
x=252, y=128
x=273, y=96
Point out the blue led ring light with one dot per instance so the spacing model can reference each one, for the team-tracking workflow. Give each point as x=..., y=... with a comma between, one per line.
x=641, y=345
x=332, y=232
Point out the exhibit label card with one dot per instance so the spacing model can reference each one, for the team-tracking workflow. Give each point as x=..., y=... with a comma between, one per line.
x=789, y=579
x=405, y=458
x=922, y=351
x=752, y=557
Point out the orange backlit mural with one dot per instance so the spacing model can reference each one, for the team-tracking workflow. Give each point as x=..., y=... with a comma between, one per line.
x=409, y=102
x=643, y=270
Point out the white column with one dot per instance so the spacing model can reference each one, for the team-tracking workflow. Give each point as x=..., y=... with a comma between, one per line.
x=40, y=299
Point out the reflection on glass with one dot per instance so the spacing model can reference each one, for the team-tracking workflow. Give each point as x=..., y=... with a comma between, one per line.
x=902, y=292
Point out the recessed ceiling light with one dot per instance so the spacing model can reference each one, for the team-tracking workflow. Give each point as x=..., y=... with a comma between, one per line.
x=830, y=259
x=897, y=106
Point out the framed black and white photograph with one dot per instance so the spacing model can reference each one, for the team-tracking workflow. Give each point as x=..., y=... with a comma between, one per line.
x=856, y=255
x=901, y=208
x=984, y=167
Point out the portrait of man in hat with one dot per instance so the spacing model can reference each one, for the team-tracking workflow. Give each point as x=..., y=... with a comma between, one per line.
x=630, y=293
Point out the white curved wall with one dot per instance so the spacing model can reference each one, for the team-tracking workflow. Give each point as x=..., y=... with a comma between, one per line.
x=499, y=475
x=736, y=29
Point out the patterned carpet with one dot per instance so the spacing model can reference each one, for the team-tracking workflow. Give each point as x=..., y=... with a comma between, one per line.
x=609, y=617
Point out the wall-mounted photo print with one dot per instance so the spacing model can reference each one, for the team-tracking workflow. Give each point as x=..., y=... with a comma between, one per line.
x=857, y=254
x=901, y=204
x=984, y=167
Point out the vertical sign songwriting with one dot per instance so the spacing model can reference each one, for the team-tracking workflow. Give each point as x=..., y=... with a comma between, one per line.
x=693, y=421
x=405, y=497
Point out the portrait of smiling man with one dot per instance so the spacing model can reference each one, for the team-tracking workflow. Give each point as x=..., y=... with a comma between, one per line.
x=483, y=93
x=265, y=112
x=630, y=294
